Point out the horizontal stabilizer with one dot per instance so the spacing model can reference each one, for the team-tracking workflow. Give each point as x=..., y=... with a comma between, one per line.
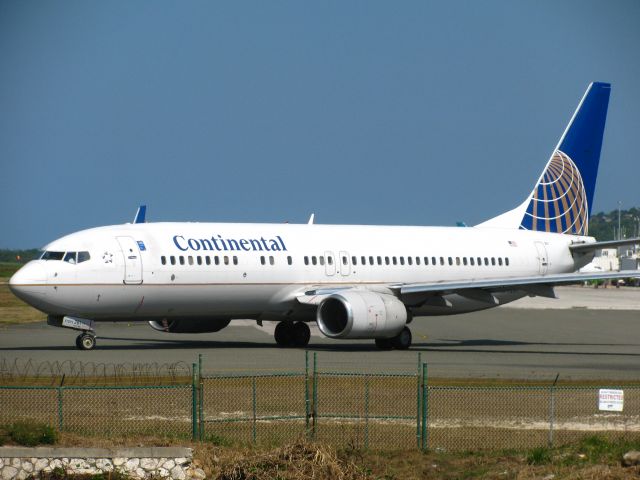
x=590, y=247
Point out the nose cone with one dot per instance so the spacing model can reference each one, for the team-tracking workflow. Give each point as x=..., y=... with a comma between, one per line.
x=29, y=283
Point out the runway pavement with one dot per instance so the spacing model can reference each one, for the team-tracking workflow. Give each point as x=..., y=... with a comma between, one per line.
x=528, y=341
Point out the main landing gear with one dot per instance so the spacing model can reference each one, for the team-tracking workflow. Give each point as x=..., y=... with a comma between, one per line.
x=86, y=341
x=289, y=334
x=402, y=341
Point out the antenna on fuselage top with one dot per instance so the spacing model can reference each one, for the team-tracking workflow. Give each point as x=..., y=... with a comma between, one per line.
x=140, y=214
x=311, y=219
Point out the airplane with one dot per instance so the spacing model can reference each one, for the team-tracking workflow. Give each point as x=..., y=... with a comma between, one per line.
x=354, y=281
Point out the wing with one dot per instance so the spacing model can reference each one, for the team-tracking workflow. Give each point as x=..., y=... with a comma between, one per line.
x=515, y=283
x=483, y=290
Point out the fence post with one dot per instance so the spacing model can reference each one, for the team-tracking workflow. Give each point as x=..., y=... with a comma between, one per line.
x=418, y=401
x=366, y=411
x=194, y=402
x=307, y=406
x=552, y=410
x=425, y=399
x=315, y=395
x=200, y=400
x=60, y=409
x=253, y=385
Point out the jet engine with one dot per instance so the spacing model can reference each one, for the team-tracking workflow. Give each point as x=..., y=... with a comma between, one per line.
x=361, y=314
x=190, y=325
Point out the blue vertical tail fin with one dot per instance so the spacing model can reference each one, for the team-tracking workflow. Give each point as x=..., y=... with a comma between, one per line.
x=562, y=198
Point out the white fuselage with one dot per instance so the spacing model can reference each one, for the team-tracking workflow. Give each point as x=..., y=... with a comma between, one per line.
x=213, y=270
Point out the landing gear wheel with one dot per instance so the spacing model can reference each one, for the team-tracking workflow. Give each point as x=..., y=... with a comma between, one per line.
x=85, y=341
x=284, y=334
x=301, y=334
x=402, y=341
x=384, y=343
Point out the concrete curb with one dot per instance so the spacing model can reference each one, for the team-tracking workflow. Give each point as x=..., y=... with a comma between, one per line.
x=79, y=452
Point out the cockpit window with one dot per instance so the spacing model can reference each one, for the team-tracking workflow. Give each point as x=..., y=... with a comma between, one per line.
x=49, y=255
x=69, y=257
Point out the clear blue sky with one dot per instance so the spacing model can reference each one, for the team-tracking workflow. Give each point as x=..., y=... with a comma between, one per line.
x=418, y=113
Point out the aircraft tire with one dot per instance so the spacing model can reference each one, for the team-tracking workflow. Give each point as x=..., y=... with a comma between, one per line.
x=384, y=343
x=284, y=334
x=301, y=334
x=86, y=341
x=402, y=341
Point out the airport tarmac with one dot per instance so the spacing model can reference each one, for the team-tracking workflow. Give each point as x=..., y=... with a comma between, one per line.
x=524, y=341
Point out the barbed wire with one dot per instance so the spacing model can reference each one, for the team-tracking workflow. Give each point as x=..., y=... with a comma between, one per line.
x=69, y=372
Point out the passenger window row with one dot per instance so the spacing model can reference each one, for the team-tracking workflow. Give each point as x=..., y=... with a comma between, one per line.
x=328, y=260
x=199, y=260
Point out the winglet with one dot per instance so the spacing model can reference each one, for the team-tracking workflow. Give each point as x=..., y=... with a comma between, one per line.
x=140, y=214
x=311, y=219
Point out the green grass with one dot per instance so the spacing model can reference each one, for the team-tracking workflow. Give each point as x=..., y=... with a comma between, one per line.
x=9, y=268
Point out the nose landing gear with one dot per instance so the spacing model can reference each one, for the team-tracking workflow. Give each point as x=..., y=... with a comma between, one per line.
x=86, y=341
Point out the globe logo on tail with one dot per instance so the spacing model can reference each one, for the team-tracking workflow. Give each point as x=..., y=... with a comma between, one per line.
x=559, y=201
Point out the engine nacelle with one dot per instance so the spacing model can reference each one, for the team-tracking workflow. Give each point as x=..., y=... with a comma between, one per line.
x=361, y=314
x=190, y=325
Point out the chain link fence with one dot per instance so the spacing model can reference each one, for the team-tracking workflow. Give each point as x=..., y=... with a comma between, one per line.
x=346, y=409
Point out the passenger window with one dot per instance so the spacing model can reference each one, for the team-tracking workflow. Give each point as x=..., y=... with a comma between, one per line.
x=173, y=260
x=493, y=261
x=70, y=257
x=181, y=258
x=379, y=260
x=163, y=260
x=207, y=260
x=486, y=261
x=216, y=260
x=506, y=261
x=500, y=261
x=386, y=260
x=363, y=260
x=235, y=260
x=306, y=260
x=345, y=260
x=199, y=260
x=433, y=261
x=226, y=260
x=84, y=256
x=321, y=260
x=479, y=261
x=330, y=260
x=395, y=260
x=289, y=260
x=458, y=261
x=314, y=260
x=409, y=260
x=426, y=261
x=450, y=261
x=471, y=260
x=464, y=261
x=418, y=260
x=190, y=260
x=271, y=260
x=354, y=260
x=371, y=262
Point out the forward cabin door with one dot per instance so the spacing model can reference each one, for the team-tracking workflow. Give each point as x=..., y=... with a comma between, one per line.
x=543, y=261
x=132, y=260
